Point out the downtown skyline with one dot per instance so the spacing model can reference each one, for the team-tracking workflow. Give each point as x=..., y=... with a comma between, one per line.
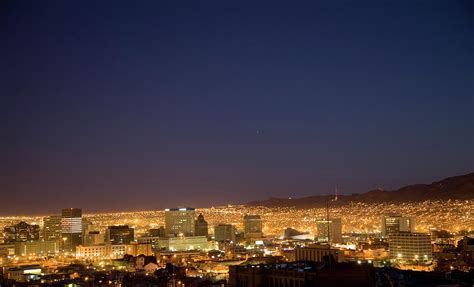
x=237, y=144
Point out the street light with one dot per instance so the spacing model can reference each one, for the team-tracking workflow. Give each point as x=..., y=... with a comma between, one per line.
x=64, y=243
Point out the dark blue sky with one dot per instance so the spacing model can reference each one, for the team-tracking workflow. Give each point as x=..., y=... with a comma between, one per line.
x=111, y=105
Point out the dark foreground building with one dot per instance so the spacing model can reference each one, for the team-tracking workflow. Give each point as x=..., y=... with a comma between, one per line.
x=300, y=274
x=121, y=234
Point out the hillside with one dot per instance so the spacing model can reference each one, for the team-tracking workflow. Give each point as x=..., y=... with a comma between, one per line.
x=457, y=187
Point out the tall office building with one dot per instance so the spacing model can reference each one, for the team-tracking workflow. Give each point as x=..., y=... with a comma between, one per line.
x=335, y=230
x=253, y=227
x=397, y=223
x=224, y=232
x=179, y=221
x=90, y=235
x=87, y=225
x=71, y=225
x=121, y=234
x=21, y=232
x=200, y=226
x=93, y=237
x=410, y=248
x=52, y=229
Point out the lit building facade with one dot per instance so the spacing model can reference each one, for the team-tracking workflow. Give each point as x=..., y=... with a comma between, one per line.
x=23, y=273
x=52, y=229
x=101, y=251
x=71, y=226
x=467, y=250
x=37, y=248
x=334, y=228
x=152, y=240
x=253, y=227
x=136, y=249
x=157, y=232
x=7, y=250
x=121, y=234
x=317, y=253
x=397, y=223
x=201, y=227
x=182, y=243
x=93, y=238
x=224, y=232
x=410, y=248
x=179, y=221
x=21, y=232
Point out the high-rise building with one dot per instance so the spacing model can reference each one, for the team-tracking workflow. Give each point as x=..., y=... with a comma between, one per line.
x=121, y=234
x=71, y=225
x=21, y=232
x=200, y=226
x=253, y=227
x=397, y=223
x=335, y=230
x=224, y=232
x=90, y=235
x=52, y=229
x=410, y=248
x=93, y=237
x=179, y=221
x=87, y=225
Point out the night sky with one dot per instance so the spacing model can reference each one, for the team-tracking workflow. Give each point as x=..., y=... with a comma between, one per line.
x=139, y=105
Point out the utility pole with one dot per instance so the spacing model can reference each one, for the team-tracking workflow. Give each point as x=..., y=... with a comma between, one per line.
x=329, y=229
x=329, y=237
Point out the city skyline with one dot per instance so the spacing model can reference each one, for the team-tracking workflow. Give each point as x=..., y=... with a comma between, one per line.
x=237, y=144
x=228, y=240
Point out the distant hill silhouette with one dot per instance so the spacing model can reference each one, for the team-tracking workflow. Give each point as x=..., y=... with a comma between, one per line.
x=456, y=187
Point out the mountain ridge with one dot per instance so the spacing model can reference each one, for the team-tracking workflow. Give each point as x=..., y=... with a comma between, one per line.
x=459, y=187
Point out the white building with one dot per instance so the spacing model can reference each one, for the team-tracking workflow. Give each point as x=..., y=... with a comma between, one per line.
x=410, y=248
x=101, y=251
x=183, y=243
